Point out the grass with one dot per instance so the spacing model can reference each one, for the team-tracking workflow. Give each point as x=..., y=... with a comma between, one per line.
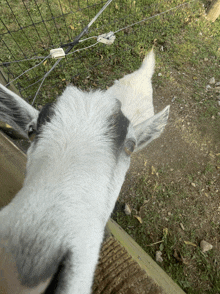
x=187, y=54
x=108, y=62
x=170, y=230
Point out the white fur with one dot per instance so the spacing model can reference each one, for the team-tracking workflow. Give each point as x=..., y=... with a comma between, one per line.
x=135, y=92
x=73, y=178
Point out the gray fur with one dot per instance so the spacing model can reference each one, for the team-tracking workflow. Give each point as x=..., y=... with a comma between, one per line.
x=16, y=112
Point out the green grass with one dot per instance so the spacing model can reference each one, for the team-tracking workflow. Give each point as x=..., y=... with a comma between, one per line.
x=193, y=270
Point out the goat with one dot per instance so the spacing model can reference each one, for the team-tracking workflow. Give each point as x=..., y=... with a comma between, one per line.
x=51, y=232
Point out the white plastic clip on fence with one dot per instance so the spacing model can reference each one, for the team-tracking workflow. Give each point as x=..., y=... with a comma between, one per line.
x=108, y=38
x=57, y=53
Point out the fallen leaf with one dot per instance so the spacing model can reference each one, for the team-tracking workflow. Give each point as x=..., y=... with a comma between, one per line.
x=72, y=27
x=182, y=226
x=153, y=170
x=165, y=232
x=190, y=243
x=45, y=62
x=127, y=209
x=138, y=218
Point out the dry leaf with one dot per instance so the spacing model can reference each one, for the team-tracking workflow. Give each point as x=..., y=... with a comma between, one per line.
x=127, y=209
x=153, y=170
x=138, y=218
x=190, y=243
x=45, y=62
x=165, y=232
x=182, y=226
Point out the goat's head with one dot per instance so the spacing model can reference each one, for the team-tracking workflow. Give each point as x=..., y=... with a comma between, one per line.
x=82, y=125
x=77, y=162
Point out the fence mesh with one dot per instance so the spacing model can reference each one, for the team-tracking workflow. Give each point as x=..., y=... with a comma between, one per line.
x=30, y=28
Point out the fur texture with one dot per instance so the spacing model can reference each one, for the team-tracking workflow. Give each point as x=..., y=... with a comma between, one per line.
x=53, y=228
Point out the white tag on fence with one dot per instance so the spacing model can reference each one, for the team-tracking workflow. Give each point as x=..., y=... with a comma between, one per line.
x=57, y=53
x=108, y=38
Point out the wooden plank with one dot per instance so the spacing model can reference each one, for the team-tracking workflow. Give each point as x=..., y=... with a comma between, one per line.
x=214, y=10
x=12, y=169
x=152, y=269
x=117, y=272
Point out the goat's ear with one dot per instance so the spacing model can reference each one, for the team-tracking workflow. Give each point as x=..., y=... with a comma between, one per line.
x=151, y=128
x=16, y=112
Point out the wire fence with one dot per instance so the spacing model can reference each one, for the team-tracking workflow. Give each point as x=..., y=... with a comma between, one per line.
x=30, y=28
